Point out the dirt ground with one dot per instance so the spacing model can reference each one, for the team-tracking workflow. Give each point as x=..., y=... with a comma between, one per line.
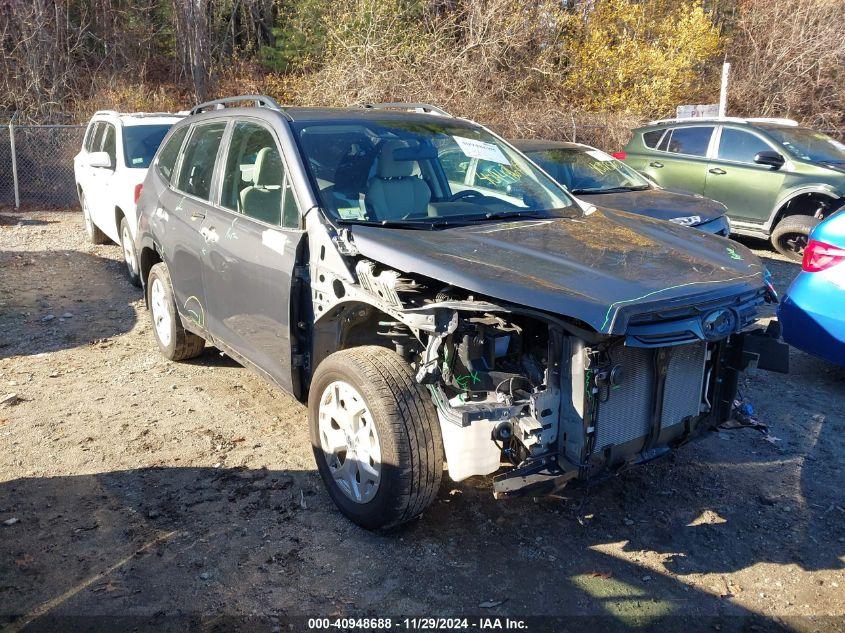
x=186, y=492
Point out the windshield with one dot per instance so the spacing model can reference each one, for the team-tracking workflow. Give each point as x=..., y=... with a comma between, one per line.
x=412, y=172
x=809, y=145
x=588, y=170
x=140, y=143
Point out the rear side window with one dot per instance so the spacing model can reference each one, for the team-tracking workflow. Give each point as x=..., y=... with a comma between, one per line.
x=170, y=152
x=255, y=182
x=197, y=170
x=651, y=139
x=89, y=137
x=740, y=146
x=692, y=141
x=109, y=144
x=97, y=140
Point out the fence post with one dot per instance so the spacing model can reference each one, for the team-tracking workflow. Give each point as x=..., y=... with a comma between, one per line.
x=14, y=160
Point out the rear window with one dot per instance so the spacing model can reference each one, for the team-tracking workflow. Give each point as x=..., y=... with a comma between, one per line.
x=692, y=141
x=140, y=143
x=169, y=153
x=651, y=139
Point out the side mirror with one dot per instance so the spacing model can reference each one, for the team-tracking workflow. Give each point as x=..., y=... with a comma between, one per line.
x=99, y=159
x=772, y=159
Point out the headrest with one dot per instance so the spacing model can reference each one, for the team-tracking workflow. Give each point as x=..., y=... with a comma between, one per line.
x=267, y=171
x=391, y=166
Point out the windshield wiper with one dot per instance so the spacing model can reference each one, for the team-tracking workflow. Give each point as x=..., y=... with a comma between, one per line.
x=400, y=224
x=610, y=189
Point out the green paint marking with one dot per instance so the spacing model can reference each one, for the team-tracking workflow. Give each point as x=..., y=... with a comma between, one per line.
x=733, y=253
x=615, y=304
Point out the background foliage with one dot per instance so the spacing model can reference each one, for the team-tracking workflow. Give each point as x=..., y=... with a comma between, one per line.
x=528, y=67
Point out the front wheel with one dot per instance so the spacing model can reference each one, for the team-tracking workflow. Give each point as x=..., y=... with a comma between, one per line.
x=792, y=234
x=174, y=341
x=127, y=244
x=375, y=436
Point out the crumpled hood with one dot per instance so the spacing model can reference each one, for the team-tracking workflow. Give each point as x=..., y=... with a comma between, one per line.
x=600, y=268
x=659, y=203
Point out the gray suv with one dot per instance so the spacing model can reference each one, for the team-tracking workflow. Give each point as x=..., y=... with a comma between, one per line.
x=502, y=326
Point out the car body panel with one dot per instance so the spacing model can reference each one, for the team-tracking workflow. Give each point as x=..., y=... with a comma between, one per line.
x=812, y=313
x=596, y=269
x=755, y=195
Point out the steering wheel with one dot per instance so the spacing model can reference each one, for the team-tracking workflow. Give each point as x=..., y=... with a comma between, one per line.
x=466, y=193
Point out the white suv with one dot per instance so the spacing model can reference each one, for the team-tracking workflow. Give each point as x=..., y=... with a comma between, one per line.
x=110, y=170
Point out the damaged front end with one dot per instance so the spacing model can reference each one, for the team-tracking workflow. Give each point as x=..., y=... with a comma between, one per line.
x=546, y=396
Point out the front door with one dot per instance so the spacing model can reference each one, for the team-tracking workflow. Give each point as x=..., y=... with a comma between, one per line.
x=250, y=264
x=182, y=215
x=747, y=189
x=99, y=198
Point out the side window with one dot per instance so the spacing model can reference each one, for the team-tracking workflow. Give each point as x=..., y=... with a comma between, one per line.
x=197, y=170
x=740, y=146
x=652, y=138
x=109, y=145
x=89, y=137
x=455, y=165
x=692, y=141
x=255, y=182
x=97, y=141
x=169, y=153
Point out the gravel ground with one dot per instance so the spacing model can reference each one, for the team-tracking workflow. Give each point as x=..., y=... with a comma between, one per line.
x=132, y=486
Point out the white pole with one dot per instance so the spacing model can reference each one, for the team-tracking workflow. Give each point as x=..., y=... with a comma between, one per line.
x=723, y=92
x=14, y=160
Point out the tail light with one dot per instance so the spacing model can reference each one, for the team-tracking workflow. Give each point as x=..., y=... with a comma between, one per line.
x=138, y=189
x=821, y=256
x=620, y=155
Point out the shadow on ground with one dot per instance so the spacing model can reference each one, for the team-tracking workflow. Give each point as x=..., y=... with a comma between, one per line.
x=53, y=300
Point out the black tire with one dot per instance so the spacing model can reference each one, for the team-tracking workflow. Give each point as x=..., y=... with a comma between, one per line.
x=133, y=272
x=95, y=235
x=792, y=234
x=181, y=343
x=408, y=432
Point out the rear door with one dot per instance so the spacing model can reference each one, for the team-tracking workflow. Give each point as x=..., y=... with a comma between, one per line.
x=749, y=190
x=182, y=214
x=250, y=264
x=680, y=161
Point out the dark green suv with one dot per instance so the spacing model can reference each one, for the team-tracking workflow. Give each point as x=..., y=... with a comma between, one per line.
x=778, y=180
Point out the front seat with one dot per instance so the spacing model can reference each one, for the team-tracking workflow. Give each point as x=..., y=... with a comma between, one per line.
x=394, y=193
x=263, y=200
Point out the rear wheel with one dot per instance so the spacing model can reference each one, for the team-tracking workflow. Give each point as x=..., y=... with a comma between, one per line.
x=375, y=435
x=174, y=341
x=127, y=244
x=95, y=235
x=791, y=235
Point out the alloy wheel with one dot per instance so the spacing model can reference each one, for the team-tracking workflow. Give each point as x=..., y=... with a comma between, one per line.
x=160, y=311
x=349, y=440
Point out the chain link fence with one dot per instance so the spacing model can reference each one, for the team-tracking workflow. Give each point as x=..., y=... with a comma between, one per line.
x=43, y=156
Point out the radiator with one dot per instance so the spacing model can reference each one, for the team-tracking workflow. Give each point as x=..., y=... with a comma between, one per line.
x=626, y=413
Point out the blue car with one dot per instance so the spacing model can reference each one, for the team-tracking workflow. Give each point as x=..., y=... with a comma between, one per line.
x=812, y=313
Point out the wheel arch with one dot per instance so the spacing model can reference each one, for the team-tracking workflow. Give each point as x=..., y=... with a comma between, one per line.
x=350, y=324
x=149, y=258
x=803, y=201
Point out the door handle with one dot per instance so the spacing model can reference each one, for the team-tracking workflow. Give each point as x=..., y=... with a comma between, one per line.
x=197, y=215
x=655, y=163
x=717, y=170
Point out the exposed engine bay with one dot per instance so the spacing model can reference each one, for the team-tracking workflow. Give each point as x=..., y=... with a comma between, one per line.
x=544, y=397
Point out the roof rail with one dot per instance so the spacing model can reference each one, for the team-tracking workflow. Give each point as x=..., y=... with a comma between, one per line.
x=724, y=119
x=115, y=112
x=259, y=101
x=401, y=105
